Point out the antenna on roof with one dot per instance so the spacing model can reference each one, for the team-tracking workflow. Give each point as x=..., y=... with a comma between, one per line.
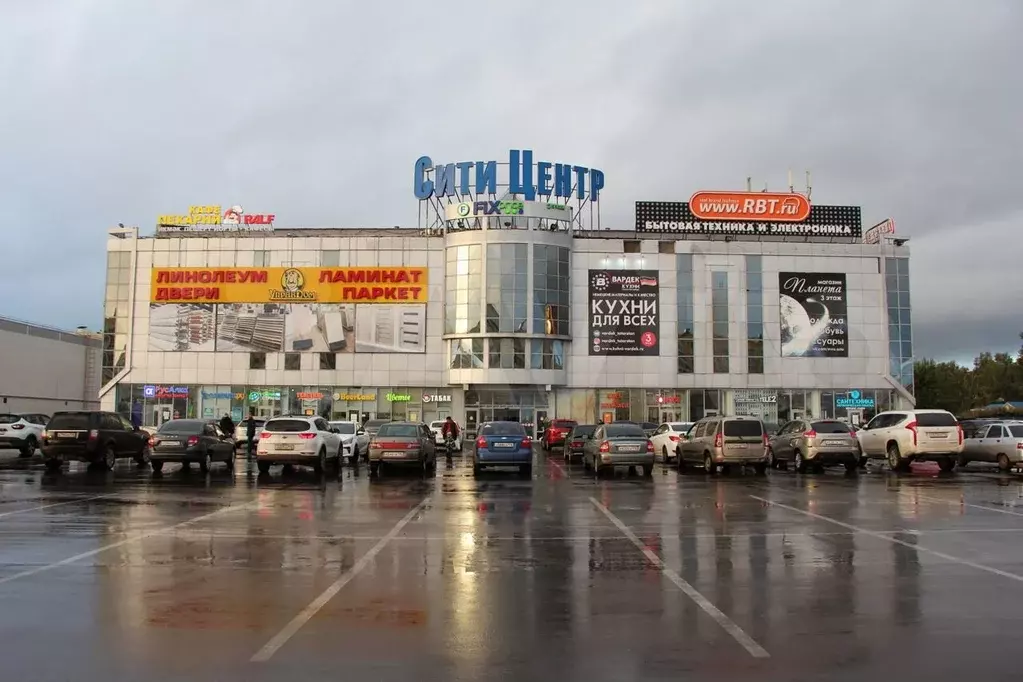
x=792, y=188
x=749, y=183
x=809, y=189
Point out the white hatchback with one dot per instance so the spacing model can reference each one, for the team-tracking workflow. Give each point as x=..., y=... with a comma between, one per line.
x=306, y=441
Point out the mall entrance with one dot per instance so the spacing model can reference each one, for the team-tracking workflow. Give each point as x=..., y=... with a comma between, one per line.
x=523, y=404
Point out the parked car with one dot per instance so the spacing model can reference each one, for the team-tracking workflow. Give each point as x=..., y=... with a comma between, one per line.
x=241, y=435
x=575, y=444
x=405, y=444
x=503, y=444
x=1000, y=442
x=305, y=441
x=556, y=432
x=814, y=445
x=349, y=440
x=667, y=438
x=437, y=428
x=618, y=444
x=191, y=440
x=99, y=438
x=905, y=436
x=720, y=442
x=23, y=432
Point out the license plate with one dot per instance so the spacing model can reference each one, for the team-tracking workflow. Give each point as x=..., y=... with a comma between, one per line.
x=394, y=455
x=284, y=447
x=938, y=435
x=503, y=445
x=170, y=442
x=628, y=448
x=832, y=443
x=66, y=434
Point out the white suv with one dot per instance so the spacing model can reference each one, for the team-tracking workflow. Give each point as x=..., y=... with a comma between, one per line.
x=22, y=431
x=306, y=441
x=905, y=436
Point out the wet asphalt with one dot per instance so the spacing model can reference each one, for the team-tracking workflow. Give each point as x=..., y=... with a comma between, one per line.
x=229, y=576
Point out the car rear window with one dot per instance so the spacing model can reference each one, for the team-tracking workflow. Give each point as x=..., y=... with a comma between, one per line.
x=181, y=426
x=830, y=427
x=682, y=428
x=398, y=430
x=564, y=424
x=935, y=419
x=347, y=428
x=584, y=430
x=649, y=425
x=436, y=425
x=745, y=428
x=374, y=424
x=625, y=430
x=9, y=418
x=1016, y=430
x=502, y=429
x=288, y=426
x=73, y=421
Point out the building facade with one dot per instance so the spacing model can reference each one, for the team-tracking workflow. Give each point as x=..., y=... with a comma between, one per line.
x=45, y=370
x=499, y=322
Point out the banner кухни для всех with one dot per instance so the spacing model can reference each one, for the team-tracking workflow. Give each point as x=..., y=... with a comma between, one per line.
x=624, y=312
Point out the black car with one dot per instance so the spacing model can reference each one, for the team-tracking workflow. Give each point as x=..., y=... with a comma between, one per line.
x=576, y=441
x=191, y=440
x=99, y=438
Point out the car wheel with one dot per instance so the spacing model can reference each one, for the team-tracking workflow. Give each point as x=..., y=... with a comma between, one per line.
x=771, y=461
x=852, y=466
x=29, y=448
x=264, y=467
x=321, y=461
x=799, y=463
x=708, y=464
x=1004, y=464
x=526, y=470
x=54, y=465
x=230, y=459
x=476, y=469
x=948, y=464
x=143, y=459
x=895, y=462
x=205, y=463
x=109, y=459
x=648, y=470
x=963, y=461
x=374, y=469
x=157, y=467
x=680, y=464
x=664, y=454
x=760, y=468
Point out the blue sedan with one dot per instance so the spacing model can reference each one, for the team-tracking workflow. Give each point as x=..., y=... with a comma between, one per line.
x=503, y=444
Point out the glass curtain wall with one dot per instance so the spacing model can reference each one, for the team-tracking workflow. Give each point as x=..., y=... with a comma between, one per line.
x=462, y=304
x=754, y=315
x=686, y=342
x=900, y=328
x=719, y=319
x=116, y=313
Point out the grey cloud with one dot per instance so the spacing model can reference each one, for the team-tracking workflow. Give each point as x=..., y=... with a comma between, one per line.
x=117, y=111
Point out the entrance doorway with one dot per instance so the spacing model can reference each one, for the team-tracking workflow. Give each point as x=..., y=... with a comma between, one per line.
x=471, y=422
x=671, y=416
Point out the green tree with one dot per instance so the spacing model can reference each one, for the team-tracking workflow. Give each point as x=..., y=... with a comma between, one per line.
x=994, y=378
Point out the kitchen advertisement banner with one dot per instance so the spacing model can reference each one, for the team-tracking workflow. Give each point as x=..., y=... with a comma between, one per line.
x=396, y=285
x=624, y=312
x=813, y=315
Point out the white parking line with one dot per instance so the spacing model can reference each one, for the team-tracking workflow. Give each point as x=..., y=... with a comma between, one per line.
x=289, y=631
x=887, y=538
x=747, y=642
x=131, y=538
x=55, y=504
x=963, y=503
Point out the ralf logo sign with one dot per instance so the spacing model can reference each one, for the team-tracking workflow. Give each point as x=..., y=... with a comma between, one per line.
x=789, y=207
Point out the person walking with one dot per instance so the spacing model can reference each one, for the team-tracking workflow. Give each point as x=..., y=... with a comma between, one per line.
x=227, y=425
x=250, y=433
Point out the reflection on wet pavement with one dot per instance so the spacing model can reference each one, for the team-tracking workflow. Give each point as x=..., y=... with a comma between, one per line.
x=233, y=576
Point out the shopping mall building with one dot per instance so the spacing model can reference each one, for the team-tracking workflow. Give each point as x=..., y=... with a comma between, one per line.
x=509, y=301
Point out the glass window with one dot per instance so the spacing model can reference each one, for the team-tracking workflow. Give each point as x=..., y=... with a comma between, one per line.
x=935, y=419
x=257, y=360
x=631, y=246
x=292, y=362
x=466, y=353
x=719, y=280
x=665, y=247
x=720, y=364
x=328, y=360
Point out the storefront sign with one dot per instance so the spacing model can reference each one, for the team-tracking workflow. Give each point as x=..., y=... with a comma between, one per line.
x=150, y=391
x=355, y=397
x=256, y=396
x=514, y=209
x=743, y=396
x=669, y=400
x=436, y=398
x=312, y=395
x=624, y=312
x=614, y=401
x=220, y=395
x=398, y=397
x=709, y=217
x=525, y=177
x=813, y=315
x=854, y=401
x=281, y=285
x=210, y=218
x=877, y=232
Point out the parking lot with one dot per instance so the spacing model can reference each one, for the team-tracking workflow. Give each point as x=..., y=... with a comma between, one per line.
x=232, y=576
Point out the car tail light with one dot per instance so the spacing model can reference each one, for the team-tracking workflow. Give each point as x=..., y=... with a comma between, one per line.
x=719, y=439
x=527, y=442
x=960, y=430
x=673, y=438
x=1019, y=445
x=809, y=434
x=649, y=446
x=192, y=441
x=767, y=440
x=17, y=427
x=263, y=435
x=152, y=441
x=481, y=442
x=852, y=434
x=307, y=436
x=605, y=447
x=374, y=443
x=46, y=435
x=575, y=444
x=912, y=427
x=94, y=434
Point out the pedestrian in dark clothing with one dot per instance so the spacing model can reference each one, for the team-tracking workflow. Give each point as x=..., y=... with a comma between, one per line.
x=227, y=426
x=250, y=433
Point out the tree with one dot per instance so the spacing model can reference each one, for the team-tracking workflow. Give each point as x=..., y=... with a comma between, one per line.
x=994, y=378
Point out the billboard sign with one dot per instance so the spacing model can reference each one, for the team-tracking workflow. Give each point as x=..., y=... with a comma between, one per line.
x=507, y=208
x=399, y=285
x=788, y=207
x=210, y=218
x=813, y=315
x=624, y=312
x=879, y=231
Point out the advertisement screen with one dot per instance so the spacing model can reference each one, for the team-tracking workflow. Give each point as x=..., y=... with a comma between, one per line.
x=624, y=312
x=813, y=315
x=320, y=328
x=182, y=326
x=251, y=327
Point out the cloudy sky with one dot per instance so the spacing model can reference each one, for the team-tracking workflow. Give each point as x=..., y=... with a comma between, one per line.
x=116, y=111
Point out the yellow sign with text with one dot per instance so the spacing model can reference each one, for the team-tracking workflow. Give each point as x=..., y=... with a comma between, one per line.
x=289, y=285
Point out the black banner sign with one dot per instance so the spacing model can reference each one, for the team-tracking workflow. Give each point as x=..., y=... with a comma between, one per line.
x=624, y=312
x=813, y=315
x=674, y=217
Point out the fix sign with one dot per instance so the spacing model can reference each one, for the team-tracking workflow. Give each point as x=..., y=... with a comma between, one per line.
x=785, y=207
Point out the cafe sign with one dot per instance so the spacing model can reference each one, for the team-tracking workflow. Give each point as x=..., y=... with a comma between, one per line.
x=398, y=397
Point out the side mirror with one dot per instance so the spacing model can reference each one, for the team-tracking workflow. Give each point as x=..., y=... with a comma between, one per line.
x=360, y=432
